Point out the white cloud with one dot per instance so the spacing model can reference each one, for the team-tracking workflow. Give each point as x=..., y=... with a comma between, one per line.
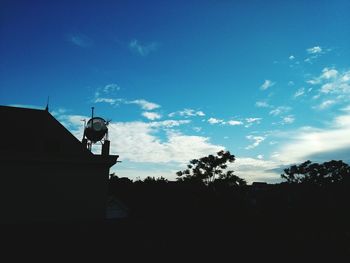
x=260, y=156
x=103, y=94
x=253, y=170
x=262, y=104
x=329, y=73
x=280, y=110
x=335, y=82
x=299, y=92
x=250, y=120
x=151, y=115
x=308, y=141
x=107, y=100
x=168, y=123
x=215, y=121
x=234, y=123
x=267, y=84
x=256, y=141
x=288, y=119
x=314, y=50
x=347, y=108
x=144, y=104
x=110, y=88
x=137, y=141
x=325, y=104
x=291, y=57
x=187, y=113
x=143, y=49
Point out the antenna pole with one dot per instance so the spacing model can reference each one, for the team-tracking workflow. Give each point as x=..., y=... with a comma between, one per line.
x=47, y=103
x=92, y=126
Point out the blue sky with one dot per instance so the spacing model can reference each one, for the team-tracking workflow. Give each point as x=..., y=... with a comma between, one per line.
x=267, y=80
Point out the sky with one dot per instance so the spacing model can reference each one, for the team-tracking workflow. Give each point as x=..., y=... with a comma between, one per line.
x=267, y=80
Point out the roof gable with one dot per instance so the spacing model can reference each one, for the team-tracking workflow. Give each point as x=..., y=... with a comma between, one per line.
x=36, y=131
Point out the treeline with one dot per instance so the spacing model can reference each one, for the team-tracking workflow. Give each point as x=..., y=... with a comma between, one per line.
x=208, y=202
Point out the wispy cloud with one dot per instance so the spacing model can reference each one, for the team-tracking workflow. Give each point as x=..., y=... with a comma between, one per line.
x=262, y=104
x=267, y=84
x=291, y=57
x=288, y=119
x=314, y=53
x=251, y=121
x=187, y=113
x=309, y=142
x=299, y=92
x=280, y=110
x=215, y=121
x=325, y=105
x=80, y=40
x=110, y=88
x=234, y=122
x=314, y=50
x=143, y=49
x=256, y=141
x=144, y=104
x=106, y=94
x=246, y=122
x=334, y=87
x=151, y=115
x=110, y=101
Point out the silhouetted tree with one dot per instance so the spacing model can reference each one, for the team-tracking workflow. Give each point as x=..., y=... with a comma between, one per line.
x=150, y=179
x=210, y=168
x=317, y=174
x=230, y=179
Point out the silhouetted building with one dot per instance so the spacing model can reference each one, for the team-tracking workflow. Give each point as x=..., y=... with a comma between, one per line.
x=46, y=173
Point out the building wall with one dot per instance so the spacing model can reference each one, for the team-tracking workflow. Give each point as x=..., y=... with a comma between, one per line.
x=51, y=191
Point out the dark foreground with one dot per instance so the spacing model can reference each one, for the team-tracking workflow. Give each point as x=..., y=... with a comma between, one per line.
x=178, y=222
x=132, y=239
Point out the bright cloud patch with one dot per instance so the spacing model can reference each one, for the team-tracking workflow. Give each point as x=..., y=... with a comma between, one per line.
x=151, y=115
x=299, y=92
x=144, y=104
x=314, y=50
x=307, y=142
x=267, y=84
x=137, y=141
x=288, y=119
x=252, y=169
x=187, y=113
x=325, y=104
x=279, y=110
x=262, y=104
x=256, y=141
x=215, y=121
x=110, y=88
x=234, y=123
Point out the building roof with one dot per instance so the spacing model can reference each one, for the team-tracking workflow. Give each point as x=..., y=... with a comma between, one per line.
x=32, y=134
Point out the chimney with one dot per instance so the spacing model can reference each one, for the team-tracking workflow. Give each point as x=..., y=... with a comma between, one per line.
x=105, y=148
